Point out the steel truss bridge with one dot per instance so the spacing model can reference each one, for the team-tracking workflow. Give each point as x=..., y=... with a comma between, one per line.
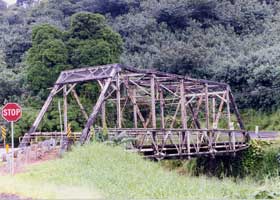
x=170, y=116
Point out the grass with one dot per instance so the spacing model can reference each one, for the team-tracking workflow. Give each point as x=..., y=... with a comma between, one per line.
x=103, y=171
x=269, y=121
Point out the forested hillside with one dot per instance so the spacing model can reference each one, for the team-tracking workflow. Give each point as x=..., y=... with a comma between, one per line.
x=234, y=41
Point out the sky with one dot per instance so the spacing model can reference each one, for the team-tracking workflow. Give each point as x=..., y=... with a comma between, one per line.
x=9, y=2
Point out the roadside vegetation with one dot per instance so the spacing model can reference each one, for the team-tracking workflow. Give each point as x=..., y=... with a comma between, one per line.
x=259, y=162
x=109, y=172
x=229, y=41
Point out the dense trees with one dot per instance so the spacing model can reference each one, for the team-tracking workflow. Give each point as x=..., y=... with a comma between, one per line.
x=235, y=41
x=89, y=41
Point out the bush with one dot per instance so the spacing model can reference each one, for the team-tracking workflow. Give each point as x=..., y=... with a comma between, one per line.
x=259, y=161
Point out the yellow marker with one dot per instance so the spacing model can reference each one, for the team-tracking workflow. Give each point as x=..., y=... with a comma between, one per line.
x=4, y=132
x=7, y=148
x=69, y=132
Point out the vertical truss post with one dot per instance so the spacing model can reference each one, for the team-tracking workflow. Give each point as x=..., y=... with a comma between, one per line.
x=119, y=114
x=183, y=105
x=184, y=116
x=207, y=114
x=153, y=102
x=134, y=109
x=103, y=115
x=162, y=121
x=153, y=111
x=214, y=112
x=228, y=109
x=207, y=117
x=231, y=134
x=65, y=108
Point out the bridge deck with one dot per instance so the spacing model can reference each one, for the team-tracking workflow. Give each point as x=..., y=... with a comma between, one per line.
x=170, y=143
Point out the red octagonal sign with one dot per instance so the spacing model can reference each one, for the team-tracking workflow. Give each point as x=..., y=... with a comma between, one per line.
x=11, y=112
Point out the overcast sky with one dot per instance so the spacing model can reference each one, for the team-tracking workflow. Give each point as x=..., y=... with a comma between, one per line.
x=10, y=1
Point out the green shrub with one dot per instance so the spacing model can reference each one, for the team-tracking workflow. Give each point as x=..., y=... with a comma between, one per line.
x=260, y=160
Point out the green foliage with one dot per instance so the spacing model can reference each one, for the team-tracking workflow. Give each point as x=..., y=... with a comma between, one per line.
x=45, y=59
x=118, y=174
x=120, y=140
x=266, y=195
x=88, y=42
x=9, y=81
x=92, y=42
x=86, y=25
x=23, y=125
x=260, y=160
x=45, y=32
x=269, y=121
x=231, y=41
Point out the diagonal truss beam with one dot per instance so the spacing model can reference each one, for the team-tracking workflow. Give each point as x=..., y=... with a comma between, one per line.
x=85, y=133
x=40, y=116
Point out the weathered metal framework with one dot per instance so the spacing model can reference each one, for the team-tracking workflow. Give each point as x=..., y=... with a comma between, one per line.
x=173, y=116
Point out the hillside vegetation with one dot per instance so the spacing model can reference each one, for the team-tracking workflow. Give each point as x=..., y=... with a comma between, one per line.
x=234, y=41
x=97, y=170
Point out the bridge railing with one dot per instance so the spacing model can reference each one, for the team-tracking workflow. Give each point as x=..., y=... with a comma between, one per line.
x=184, y=142
x=169, y=143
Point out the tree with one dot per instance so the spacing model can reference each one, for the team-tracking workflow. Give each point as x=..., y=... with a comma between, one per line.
x=92, y=42
x=47, y=57
x=89, y=41
x=9, y=81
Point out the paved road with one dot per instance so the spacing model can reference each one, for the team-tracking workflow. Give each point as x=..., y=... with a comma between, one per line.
x=269, y=135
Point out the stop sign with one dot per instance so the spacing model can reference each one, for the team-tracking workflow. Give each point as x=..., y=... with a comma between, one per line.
x=11, y=112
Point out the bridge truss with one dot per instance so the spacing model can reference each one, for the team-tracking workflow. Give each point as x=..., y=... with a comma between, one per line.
x=169, y=116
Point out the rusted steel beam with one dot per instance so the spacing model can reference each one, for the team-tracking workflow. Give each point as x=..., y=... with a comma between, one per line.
x=220, y=110
x=162, y=103
x=194, y=117
x=118, y=91
x=65, y=108
x=183, y=106
x=207, y=113
x=136, y=130
x=157, y=73
x=238, y=116
x=134, y=102
x=85, y=133
x=134, y=109
x=85, y=74
x=40, y=116
x=153, y=103
x=76, y=97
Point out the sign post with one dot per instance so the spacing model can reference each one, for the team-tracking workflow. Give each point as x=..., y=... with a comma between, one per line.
x=11, y=112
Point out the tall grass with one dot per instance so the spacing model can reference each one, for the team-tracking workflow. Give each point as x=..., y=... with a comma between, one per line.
x=269, y=121
x=113, y=173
